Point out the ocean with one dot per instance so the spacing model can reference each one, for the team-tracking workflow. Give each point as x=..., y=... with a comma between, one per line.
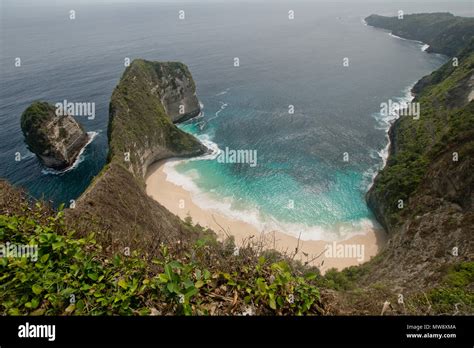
x=314, y=164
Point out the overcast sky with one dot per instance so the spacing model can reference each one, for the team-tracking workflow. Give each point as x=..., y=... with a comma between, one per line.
x=198, y=1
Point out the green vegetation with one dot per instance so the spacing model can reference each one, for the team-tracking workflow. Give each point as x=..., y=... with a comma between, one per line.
x=175, y=267
x=444, y=32
x=36, y=114
x=342, y=280
x=455, y=295
x=175, y=282
x=32, y=123
x=446, y=121
x=138, y=117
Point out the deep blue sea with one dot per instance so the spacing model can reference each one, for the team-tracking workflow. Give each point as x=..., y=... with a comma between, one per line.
x=283, y=62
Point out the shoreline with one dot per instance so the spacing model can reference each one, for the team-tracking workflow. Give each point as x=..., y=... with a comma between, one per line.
x=348, y=252
x=311, y=251
x=384, y=153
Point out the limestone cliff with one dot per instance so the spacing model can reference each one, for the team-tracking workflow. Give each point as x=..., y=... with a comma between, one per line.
x=56, y=140
x=173, y=83
x=430, y=171
x=140, y=131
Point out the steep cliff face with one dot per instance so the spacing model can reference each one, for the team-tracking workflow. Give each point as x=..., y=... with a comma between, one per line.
x=176, y=89
x=444, y=32
x=140, y=132
x=461, y=93
x=56, y=140
x=424, y=195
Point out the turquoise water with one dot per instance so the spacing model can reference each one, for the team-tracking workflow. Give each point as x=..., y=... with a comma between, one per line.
x=282, y=63
x=270, y=187
x=304, y=193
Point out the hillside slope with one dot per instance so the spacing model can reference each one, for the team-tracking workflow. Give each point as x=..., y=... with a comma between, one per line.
x=444, y=32
x=424, y=195
x=200, y=278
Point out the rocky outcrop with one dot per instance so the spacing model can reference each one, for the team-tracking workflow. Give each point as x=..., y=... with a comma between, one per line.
x=141, y=131
x=56, y=140
x=175, y=87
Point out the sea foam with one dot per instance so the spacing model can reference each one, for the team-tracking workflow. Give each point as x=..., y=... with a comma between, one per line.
x=79, y=158
x=252, y=215
x=384, y=122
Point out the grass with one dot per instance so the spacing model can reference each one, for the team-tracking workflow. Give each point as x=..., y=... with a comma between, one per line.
x=453, y=296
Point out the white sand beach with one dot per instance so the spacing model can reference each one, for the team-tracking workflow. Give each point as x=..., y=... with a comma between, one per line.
x=180, y=202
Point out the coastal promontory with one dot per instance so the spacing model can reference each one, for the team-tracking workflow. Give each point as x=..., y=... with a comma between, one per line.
x=143, y=109
x=174, y=85
x=141, y=131
x=444, y=32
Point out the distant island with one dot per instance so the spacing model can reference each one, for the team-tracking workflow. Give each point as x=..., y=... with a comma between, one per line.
x=142, y=260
